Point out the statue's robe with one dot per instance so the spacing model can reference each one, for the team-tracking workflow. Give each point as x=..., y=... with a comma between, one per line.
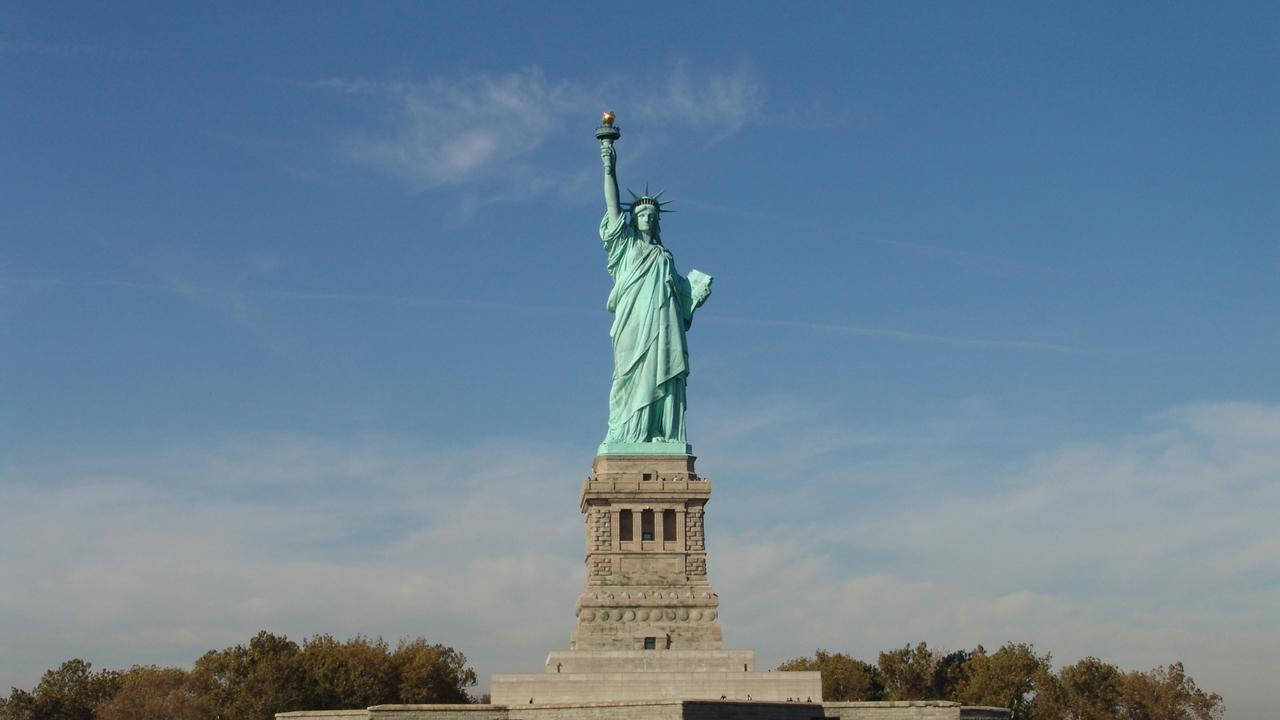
x=652, y=306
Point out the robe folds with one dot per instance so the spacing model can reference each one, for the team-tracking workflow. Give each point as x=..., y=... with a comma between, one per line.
x=652, y=306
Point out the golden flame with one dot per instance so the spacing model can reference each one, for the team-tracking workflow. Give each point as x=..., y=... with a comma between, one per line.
x=607, y=118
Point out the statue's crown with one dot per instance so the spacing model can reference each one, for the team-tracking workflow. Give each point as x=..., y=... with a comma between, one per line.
x=647, y=199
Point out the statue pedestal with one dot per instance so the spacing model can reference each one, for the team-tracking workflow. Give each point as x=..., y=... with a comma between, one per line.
x=648, y=621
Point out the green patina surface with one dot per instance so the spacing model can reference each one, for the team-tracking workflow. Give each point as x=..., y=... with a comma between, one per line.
x=652, y=447
x=653, y=307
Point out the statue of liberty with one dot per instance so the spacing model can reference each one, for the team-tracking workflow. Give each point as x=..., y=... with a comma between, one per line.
x=652, y=307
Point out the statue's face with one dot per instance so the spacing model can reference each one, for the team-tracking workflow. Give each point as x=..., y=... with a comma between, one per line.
x=647, y=219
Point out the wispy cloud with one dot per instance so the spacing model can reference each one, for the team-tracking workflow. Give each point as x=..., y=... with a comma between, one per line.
x=1141, y=549
x=191, y=545
x=724, y=102
x=487, y=128
x=444, y=132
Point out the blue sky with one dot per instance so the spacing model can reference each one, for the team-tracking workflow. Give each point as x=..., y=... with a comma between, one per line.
x=302, y=326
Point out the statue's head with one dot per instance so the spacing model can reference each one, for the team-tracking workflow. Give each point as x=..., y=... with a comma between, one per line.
x=645, y=211
x=645, y=218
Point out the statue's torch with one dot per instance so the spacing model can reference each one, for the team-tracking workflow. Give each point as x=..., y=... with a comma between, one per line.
x=608, y=132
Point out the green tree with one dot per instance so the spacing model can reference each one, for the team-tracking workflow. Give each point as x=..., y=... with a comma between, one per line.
x=1005, y=678
x=908, y=673
x=348, y=675
x=148, y=692
x=950, y=673
x=254, y=682
x=843, y=677
x=429, y=673
x=1088, y=690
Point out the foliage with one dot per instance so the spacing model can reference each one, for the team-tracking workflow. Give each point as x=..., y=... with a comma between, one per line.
x=432, y=673
x=148, y=692
x=1005, y=678
x=1087, y=690
x=346, y=675
x=274, y=674
x=270, y=674
x=252, y=682
x=1166, y=693
x=70, y=692
x=1018, y=678
x=908, y=673
x=843, y=678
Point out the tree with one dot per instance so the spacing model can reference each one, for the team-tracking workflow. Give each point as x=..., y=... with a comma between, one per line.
x=71, y=692
x=254, y=682
x=1087, y=690
x=908, y=673
x=1166, y=693
x=148, y=692
x=950, y=673
x=843, y=678
x=357, y=673
x=1006, y=678
x=20, y=705
x=432, y=673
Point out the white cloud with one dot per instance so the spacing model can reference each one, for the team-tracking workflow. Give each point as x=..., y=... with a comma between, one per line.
x=722, y=101
x=485, y=129
x=1143, y=549
x=444, y=132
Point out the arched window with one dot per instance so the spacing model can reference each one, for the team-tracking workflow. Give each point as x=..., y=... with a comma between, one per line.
x=646, y=524
x=624, y=526
x=668, y=524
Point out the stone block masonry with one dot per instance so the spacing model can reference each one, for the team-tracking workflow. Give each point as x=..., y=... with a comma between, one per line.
x=667, y=710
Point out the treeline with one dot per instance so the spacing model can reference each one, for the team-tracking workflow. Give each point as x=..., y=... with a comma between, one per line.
x=1015, y=677
x=252, y=682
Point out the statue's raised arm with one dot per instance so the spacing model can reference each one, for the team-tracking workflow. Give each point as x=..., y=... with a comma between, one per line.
x=607, y=134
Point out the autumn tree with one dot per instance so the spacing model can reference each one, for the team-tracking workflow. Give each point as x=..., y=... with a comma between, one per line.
x=357, y=673
x=1166, y=693
x=1088, y=690
x=429, y=673
x=1005, y=678
x=70, y=692
x=253, y=682
x=908, y=673
x=843, y=678
x=148, y=692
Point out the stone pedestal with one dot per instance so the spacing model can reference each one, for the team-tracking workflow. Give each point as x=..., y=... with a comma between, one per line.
x=646, y=557
x=648, y=621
